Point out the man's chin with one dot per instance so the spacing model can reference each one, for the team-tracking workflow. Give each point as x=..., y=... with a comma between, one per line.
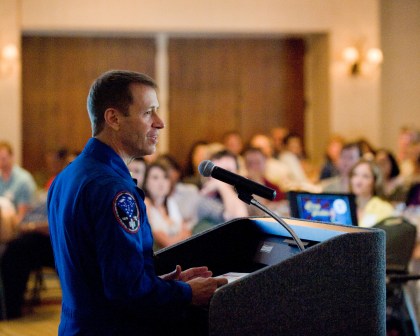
x=150, y=151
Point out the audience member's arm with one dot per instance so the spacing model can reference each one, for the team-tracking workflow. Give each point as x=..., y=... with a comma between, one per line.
x=234, y=207
x=163, y=239
x=21, y=211
x=40, y=227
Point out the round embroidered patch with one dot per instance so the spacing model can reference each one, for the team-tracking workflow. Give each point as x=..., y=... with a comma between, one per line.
x=126, y=211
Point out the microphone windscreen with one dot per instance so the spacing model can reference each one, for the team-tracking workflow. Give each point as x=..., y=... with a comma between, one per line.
x=205, y=168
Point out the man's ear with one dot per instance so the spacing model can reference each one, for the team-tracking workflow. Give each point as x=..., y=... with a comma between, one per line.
x=112, y=118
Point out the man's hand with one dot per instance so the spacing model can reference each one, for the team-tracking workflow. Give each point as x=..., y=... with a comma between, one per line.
x=187, y=275
x=204, y=288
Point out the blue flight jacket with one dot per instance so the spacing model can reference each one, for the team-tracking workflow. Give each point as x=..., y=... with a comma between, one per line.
x=102, y=244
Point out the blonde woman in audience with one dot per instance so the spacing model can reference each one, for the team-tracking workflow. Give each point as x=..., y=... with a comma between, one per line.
x=165, y=218
x=365, y=183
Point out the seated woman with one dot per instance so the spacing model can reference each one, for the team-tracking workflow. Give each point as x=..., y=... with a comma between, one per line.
x=365, y=183
x=165, y=218
x=394, y=188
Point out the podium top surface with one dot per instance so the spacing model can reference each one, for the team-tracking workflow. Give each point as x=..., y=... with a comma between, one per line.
x=306, y=229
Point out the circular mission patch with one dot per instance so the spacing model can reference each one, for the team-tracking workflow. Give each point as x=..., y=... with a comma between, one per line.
x=126, y=211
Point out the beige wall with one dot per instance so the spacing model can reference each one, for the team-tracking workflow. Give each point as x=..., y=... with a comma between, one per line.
x=401, y=71
x=353, y=106
x=10, y=96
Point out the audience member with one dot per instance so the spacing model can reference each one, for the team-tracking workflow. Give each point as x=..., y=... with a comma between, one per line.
x=349, y=156
x=294, y=158
x=168, y=226
x=276, y=171
x=219, y=201
x=413, y=194
x=332, y=157
x=255, y=163
x=198, y=152
x=368, y=151
x=365, y=183
x=277, y=136
x=29, y=251
x=16, y=184
x=394, y=188
x=137, y=168
x=56, y=161
x=184, y=194
x=406, y=138
x=232, y=141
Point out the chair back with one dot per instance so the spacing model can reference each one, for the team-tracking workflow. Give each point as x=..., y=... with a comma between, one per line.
x=400, y=242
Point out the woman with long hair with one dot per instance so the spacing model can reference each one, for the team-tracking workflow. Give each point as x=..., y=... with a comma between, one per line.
x=165, y=218
x=366, y=183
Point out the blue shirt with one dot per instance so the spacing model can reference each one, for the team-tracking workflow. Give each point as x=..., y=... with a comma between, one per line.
x=102, y=245
x=20, y=188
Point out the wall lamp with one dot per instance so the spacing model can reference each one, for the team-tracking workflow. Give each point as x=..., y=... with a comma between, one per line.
x=359, y=62
x=8, y=58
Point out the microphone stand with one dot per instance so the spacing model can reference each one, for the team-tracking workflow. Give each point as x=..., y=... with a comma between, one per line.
x=248, y=199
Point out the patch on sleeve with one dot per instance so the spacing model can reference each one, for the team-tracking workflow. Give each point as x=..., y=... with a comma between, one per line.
x=126, y=211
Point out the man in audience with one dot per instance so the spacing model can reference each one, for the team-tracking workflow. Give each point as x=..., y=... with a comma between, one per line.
x=276, y=171
x=349, y=156
x=255, y=162
x=232, y=141
x=31, y=249
x=219, y=201
x=16, y=184
x=277, y=135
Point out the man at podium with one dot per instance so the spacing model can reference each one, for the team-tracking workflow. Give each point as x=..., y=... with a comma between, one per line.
x=99, y=229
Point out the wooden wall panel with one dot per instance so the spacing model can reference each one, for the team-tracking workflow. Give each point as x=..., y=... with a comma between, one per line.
x=249, y=85
x=56, y=75
x=216, y=85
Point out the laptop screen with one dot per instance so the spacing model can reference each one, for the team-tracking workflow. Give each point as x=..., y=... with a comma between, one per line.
x=330, y=208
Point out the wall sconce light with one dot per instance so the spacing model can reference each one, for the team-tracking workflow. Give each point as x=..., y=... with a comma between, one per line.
x=358, y=61
x=8, y=57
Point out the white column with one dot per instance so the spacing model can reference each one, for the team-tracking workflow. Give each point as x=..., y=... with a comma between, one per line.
x=162, y=78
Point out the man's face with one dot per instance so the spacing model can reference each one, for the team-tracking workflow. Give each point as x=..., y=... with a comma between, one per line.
x=227, y=162
x=140, y=129
x=348, y=159
x=255, y=162
x=262, y=142
x=6, y=159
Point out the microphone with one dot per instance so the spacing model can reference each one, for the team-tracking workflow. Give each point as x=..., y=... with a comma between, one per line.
x=241, y=184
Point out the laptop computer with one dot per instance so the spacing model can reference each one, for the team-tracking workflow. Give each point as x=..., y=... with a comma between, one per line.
x=324, y=207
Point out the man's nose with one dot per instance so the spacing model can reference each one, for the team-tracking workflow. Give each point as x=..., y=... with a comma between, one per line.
x=158, y=122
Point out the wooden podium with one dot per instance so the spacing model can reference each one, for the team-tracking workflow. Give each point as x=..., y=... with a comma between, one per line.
x=336, y=286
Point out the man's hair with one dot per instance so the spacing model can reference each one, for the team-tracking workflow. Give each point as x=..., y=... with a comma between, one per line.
x=225, y=153
x=351, y=145
x=7, y=146
x=251, y=149
x=113, y=90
